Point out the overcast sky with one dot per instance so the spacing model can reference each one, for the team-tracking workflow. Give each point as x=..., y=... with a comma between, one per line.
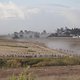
x=38, y=15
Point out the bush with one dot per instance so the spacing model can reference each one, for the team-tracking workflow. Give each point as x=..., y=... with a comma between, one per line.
x=2, y=63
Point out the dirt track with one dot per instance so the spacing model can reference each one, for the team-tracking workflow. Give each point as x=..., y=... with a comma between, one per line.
x=44, y=72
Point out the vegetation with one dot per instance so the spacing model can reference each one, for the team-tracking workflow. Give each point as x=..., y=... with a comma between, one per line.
x=66, y=32
x=25, y=75
x=37, y=62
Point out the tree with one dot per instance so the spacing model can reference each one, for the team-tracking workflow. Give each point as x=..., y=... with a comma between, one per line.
x=15, y=35
x=21, y=33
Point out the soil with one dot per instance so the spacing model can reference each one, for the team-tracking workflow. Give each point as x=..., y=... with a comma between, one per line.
x=43, y=71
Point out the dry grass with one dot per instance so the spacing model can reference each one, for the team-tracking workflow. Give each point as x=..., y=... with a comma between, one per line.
x=11, y=47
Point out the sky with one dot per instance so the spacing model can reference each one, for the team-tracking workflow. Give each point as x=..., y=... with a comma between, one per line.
x=38, y=15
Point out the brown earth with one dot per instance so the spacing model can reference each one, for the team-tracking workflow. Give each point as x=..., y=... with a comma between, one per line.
x=44, y=72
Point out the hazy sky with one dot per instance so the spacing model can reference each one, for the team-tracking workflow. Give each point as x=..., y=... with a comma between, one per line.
x=38, y=15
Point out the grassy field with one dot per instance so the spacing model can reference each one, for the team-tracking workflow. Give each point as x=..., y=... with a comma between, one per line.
x=44, y=63
x=10, y=48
